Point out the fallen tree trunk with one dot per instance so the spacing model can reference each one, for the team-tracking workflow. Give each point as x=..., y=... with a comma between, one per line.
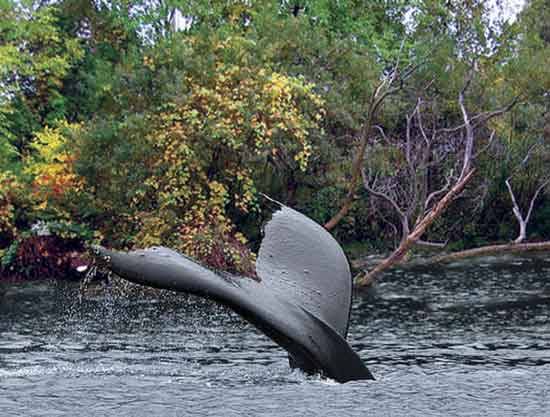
x=490, y=250
x=497, y=249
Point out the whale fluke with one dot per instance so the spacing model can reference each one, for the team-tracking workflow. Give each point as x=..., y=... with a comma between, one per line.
x=301, y=299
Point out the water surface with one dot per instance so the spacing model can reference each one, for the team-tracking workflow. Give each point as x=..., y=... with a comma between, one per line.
x=466, y=340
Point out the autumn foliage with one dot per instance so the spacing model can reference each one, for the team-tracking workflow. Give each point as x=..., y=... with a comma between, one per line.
x=10, y=191
x=120, y=127
x=204, y=150
x=45, y=257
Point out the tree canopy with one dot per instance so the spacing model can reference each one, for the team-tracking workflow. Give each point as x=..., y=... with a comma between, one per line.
x=160, y=122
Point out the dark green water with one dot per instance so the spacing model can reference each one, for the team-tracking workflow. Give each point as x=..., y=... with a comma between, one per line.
x=467, y=340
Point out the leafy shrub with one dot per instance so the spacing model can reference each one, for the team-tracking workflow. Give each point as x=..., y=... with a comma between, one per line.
x=14, y=201
x=55, y=185
x=8, y=186
x=176, y=172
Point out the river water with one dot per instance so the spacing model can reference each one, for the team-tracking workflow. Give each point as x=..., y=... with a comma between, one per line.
x=466, y=340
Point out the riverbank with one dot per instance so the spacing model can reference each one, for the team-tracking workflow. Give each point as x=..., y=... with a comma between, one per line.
x=75, y=264
x=53, y=257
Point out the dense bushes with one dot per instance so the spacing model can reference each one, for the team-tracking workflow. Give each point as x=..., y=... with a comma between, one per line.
x=118, y=129
x=43, y=257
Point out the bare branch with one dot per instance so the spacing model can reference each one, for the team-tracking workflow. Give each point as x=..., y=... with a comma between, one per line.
x=420, y=126
x=408, y=139
x=409, y=188
x=439, y=245
x=469, y=133
x=483, y=117
x=532, y=203
x=395, y=69
x=381, y=92
x=381, y=130
x=386, y=220
x=383, y=196
x=417, y=233
x=468, y=81
x=440, y=191
x=489, y=143
x=516, y=209
x=379, y=88
x=527, y=156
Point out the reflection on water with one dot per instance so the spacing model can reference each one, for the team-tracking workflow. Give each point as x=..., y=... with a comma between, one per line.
x=464, y=340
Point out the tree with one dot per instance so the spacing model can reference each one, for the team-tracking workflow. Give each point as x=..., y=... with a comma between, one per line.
x=177, y=170
x=36, y=57
x=534, y=179
x=384, y=89
x=406, y=186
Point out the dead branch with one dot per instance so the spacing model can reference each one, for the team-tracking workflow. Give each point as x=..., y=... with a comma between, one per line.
x=407, y=187
x=381, y=92
x=381, y=130
x=438, y=245
x=484, y=117
x=487, y=250
x=469, y=133
x=436, y=193
x=523, y=221
x=383, y=196
x=486, y=147
x=420, y=228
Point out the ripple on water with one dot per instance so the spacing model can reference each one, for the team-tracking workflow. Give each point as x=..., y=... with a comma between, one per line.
x=438, y=342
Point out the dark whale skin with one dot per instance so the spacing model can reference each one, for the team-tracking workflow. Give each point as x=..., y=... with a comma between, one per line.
x=302, y=299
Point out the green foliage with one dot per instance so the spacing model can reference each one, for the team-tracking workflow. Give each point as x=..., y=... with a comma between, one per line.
x=176, y=169
x=71, y=231
x=8, y=255
x=115, y=126
x=36, y=56
x=14, y=202
x=8, y=156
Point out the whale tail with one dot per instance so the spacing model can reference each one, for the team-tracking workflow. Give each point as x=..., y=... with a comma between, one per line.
x=301, y=261
x=302, y=299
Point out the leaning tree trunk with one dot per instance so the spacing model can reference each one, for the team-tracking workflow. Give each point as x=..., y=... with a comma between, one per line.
x=381, y=92
x=417, y=233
